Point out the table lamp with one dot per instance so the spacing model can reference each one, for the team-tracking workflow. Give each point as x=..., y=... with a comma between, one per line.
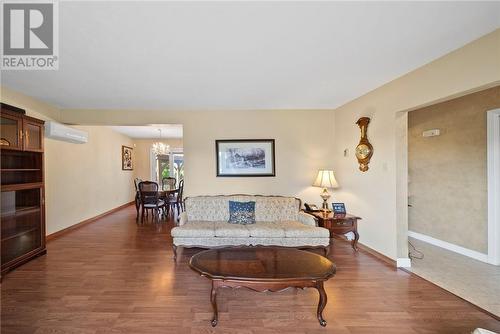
x=325, y=180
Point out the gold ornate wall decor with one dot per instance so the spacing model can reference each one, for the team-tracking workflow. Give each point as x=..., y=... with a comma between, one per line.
x=364, y=150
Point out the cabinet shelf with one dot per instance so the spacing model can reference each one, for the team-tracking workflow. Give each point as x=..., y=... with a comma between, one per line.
x=20, y=170
x=21, y=232
x=21, y=211
x=21, y=186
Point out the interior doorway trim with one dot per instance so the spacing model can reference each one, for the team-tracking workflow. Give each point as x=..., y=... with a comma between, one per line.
x=493, y=146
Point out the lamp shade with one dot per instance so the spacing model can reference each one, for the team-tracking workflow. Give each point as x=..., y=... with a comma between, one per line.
x=325, y=179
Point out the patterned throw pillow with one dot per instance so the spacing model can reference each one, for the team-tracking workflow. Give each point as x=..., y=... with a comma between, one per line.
x=241, y=212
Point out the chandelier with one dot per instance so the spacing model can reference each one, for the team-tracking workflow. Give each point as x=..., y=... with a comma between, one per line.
x=160, y=148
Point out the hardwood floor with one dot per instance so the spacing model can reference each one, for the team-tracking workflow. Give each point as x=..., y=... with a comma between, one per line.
x=114, y=276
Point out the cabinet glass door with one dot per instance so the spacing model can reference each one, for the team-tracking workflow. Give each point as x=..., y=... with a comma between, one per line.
x=11, y=130
x=21, y=223
x=33, y=136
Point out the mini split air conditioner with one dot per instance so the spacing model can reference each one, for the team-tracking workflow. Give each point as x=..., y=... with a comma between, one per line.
x=63, y=132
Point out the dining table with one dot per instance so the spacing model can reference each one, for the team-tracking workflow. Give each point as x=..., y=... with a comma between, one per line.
x=165, y=193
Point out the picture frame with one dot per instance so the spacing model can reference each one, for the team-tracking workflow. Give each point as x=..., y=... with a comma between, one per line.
x=339, y=208
x=127, y=158
x=245, y=157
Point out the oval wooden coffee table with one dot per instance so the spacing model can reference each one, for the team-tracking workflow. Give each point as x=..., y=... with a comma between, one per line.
x=264, y=269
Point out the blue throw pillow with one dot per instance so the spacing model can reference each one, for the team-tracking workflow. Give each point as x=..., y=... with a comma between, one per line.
x=241, y=212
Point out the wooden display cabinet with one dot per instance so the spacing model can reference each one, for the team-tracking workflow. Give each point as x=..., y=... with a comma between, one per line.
x=22, y=215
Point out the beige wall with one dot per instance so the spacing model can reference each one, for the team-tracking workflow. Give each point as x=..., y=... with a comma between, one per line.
x=142, y=149
x=304, y=144
x=33, y=107
x=85, y=180
x=448, y=173
x=373, y=195
x=81, y=180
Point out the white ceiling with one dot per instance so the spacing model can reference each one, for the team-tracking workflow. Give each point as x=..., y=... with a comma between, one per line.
x=244, y=55
x=150, y=132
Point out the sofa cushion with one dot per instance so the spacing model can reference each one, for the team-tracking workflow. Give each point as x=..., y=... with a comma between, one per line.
x=194, y=229
x=225, y=229
x=295, y=229
x=241, y=212
x=209, y=208
x=276, y=208
x=265, y=230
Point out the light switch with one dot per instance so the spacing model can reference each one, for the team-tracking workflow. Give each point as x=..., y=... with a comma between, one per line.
x=431, y=133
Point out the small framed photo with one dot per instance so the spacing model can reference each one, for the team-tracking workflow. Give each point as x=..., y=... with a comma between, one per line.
x=127, y=163
x=339, y=208
x=245, y=157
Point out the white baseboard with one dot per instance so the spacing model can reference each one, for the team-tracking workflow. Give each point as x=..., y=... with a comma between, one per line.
x=449, y=246
x=403, y=262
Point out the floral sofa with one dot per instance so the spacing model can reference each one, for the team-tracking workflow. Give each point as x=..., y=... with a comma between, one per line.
x=279, y=222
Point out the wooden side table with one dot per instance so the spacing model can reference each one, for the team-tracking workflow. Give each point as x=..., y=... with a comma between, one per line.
x=339, y=224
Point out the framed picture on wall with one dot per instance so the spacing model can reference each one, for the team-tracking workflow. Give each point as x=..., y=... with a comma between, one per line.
x=245, y=157
x=127, y=162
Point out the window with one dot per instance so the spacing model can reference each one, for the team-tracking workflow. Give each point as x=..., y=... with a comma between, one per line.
x=162, y=167
x=178, y=166
x=167, y=165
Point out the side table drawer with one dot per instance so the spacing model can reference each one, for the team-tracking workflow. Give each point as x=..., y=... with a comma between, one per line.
x=338, y=225
x=342, y=223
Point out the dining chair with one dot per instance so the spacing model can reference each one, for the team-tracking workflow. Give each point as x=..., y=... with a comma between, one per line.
x=170, y=182
x=177, y=201
x=137, y=196
x=180, y=198
x=150, y=199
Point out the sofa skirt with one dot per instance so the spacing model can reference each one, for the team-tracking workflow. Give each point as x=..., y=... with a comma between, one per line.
x=220, y=242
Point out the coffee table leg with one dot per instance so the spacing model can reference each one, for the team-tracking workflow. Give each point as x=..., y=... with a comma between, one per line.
x=322, y=303
x=213, y=300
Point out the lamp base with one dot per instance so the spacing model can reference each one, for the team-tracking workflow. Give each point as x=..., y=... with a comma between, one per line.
x=325, y=196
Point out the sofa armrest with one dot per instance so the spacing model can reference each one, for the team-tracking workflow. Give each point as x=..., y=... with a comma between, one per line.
x=183, y=218
x=307, y=219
